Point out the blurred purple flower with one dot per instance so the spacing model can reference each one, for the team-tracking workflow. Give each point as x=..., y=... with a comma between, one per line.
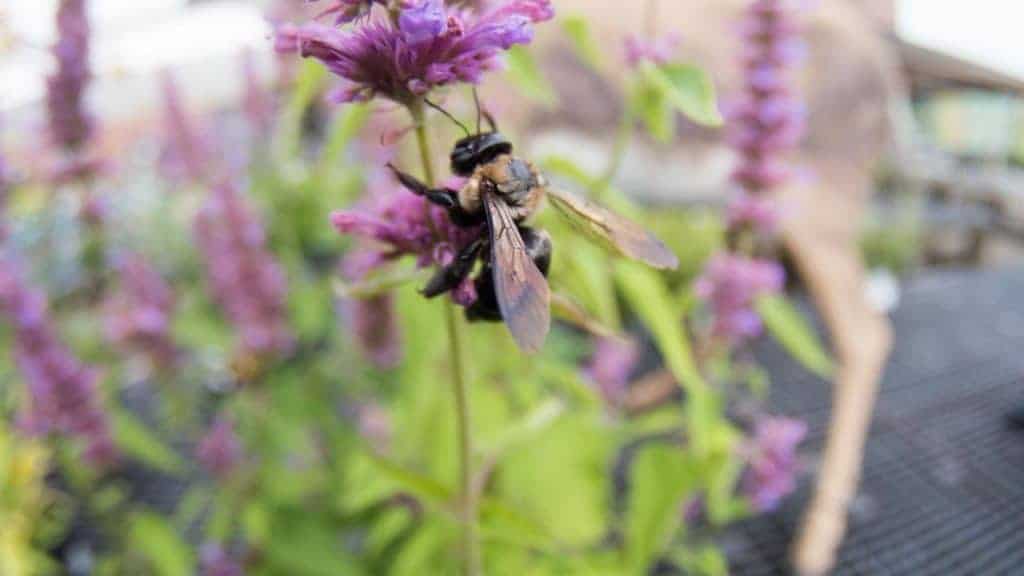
x=244, y=278
x=753, y=212
x=5, y=190
x=611, y=365
x=431, y=45
x=186, y=153
x=768, y=120
x=258, y=102
x=771, y=461
x=730, y=284
x=214, y=560
x=374, y=323
x=394, y=223
x=138, y=316
x=375, y=425
x=62, y=391
x=220, y=450
x=658, y=51
x=70, y=124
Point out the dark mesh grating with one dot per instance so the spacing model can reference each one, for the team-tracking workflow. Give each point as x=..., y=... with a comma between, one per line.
x=943, y=484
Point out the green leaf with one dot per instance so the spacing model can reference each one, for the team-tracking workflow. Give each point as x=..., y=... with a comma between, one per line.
x=309, y=84
x=526, y=75
x=156, y=540
x=650, y=298
x=689, y=89
x=788, y=326
x=650, y=103
x=345, y=127
x=534, y=423
x=660, y=479
x=577, y=30
x=705, y=561
x=306, y=545
x=417, y=484
x=137, y=441
x=560, y=478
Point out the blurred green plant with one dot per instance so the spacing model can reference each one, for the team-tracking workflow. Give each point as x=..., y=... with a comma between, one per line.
x=349, y=467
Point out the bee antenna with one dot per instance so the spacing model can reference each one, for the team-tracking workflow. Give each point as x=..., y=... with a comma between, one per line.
x=479, y=114
x=448, y=115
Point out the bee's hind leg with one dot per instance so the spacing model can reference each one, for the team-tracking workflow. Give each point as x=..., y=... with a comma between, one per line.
x=486, y=309
x=449, y=277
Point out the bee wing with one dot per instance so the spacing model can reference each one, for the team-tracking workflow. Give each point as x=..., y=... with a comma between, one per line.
x=521, y=290
x=624, y=236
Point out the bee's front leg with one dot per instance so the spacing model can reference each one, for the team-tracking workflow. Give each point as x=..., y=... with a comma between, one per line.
x=443, y=197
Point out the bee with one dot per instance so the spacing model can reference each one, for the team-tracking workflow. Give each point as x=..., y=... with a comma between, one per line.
x=503, y=191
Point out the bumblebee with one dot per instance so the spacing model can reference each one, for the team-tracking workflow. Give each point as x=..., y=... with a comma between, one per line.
x=503, y=191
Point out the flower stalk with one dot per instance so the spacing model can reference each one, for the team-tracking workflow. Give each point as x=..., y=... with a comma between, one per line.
x=469, y=546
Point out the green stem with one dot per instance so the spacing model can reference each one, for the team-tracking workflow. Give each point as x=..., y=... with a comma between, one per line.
x=469, y=549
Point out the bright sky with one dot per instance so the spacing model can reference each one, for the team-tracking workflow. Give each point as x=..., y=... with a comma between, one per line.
x=989, y=32
x=141, y=36
x=132, y=37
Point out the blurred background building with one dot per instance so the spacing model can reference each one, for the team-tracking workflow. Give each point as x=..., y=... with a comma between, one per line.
x=961, y=135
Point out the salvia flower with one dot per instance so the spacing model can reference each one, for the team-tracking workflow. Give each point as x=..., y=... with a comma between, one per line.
x=70, y=124
x=138, y=316
x=395, y=223
x=772, y=465
x=374, y=322
x=430, y=45
x=754, y=212
x=611, y=367
x=5, y=190
x=220, y=450
x=768, y=120
x=730, y=285
x=63, y=392
x=258, y=102
x=658, y=51
x=243, y=277
x=214, y=560
x=186, y=150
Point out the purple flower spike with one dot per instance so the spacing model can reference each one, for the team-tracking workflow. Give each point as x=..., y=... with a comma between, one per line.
x=658, y=51
x=258, y=102
x=63, y=394
x=746, y=211
x=432, y=45
x=5, y=189
x=220, y=450
x=186, y=152
x=243, y=276
x=138, y=316
x=394, y=224
x=214, y=560
x=769, y=120
x=375, y=326
x=611, y=366
x=730, y=284
x=772, y=463
x=70, y=124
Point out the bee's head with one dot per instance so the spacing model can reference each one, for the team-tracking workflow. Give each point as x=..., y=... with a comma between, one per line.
x=473, y=151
